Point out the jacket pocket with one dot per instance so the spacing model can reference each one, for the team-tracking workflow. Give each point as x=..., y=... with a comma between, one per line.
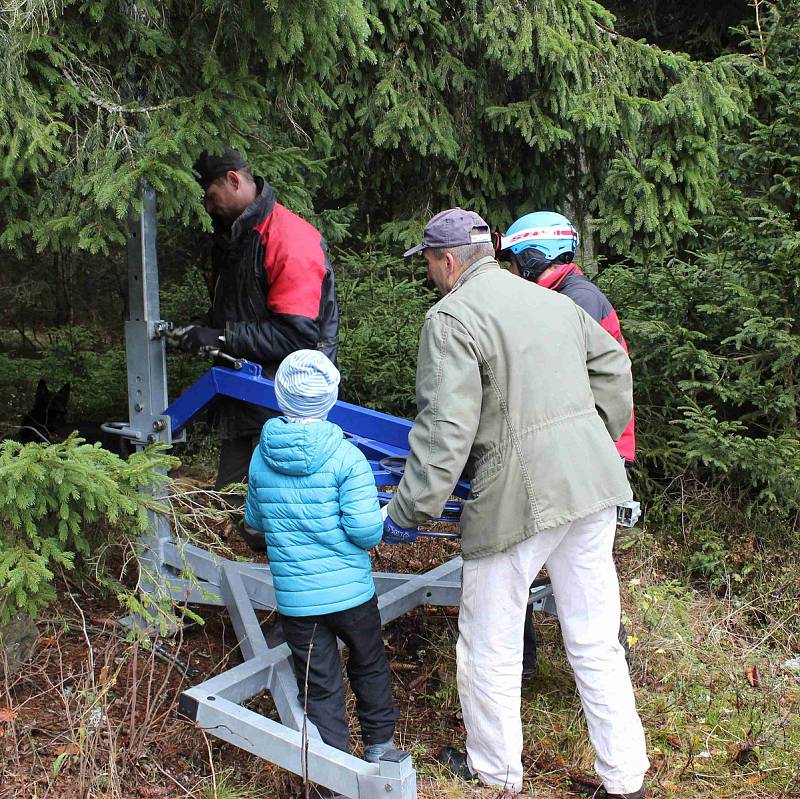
x=486, y=471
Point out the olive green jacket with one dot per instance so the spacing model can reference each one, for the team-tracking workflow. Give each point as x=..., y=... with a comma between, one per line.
x=521, y=391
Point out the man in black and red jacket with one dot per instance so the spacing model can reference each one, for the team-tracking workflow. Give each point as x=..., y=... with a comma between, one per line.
x=272, y=292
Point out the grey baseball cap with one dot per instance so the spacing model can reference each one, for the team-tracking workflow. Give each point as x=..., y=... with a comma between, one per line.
x=453, y=228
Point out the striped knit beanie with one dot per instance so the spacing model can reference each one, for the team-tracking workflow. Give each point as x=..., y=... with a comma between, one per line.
x=306, y=385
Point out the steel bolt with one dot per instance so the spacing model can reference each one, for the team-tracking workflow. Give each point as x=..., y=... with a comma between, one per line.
x=138, y=407
x=158, y=425
x=152, y=438
x=387, y=788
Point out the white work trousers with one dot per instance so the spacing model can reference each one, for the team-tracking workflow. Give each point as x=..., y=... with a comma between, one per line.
x=494, y=599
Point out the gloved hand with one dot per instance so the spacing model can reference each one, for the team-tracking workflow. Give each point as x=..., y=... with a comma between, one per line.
x=195, y=338
x=392, y=534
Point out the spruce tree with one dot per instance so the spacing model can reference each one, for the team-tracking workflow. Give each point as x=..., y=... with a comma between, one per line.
x=714, y=330
x=62, y=506
x=394, y=107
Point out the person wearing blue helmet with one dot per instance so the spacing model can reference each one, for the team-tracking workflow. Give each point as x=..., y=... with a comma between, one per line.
x=541, y=247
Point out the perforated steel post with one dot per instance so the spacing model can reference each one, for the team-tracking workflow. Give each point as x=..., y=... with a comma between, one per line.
x=147, y=371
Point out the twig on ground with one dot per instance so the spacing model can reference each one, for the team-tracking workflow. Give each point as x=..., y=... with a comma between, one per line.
x=210, y=762
x=305, y=715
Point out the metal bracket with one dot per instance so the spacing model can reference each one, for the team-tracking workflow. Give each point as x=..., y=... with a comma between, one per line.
x=628, y=513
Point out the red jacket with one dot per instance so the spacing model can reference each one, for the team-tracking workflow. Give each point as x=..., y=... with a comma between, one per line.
x=273, y=285
x=273, y=293
x=568, y=279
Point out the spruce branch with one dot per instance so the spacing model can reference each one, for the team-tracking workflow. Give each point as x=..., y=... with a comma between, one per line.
x=762, y=45
x=116, y=108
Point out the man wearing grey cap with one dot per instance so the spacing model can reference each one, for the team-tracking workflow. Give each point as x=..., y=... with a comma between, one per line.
x=519, y=389
x=272, y=293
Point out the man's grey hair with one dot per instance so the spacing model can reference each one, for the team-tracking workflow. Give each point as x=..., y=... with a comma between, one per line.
x=466, y=254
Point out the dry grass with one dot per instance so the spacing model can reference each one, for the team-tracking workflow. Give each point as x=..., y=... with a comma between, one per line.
x=94, y=714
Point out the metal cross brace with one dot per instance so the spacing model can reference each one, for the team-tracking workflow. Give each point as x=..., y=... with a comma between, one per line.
x=193, y=575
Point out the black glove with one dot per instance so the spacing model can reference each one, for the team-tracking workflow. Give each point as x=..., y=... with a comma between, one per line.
x=195, y=338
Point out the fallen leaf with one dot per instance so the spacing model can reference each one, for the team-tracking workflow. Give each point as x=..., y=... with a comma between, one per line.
x=103, y=621
x=746, y=752
x=657, y=761
x=753, y=677
x=756, y=778
x=7, y=714
x=675, y=741
x=69, y=749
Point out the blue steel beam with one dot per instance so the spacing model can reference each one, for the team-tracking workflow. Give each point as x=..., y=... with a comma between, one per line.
x=248, y=385
x=378, y=435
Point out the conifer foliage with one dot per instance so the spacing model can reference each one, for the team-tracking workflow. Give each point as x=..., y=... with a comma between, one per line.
x=96, y=97
x=714, y=329
x=61, y=505
x=506, y=106
x=393, y=106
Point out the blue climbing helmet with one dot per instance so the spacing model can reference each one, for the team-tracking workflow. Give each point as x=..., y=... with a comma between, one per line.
x=537, y=240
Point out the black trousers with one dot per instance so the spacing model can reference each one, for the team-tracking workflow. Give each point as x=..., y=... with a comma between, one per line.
x=529, y=645
x=234, y=459
x=239, y=425
x=367, y=669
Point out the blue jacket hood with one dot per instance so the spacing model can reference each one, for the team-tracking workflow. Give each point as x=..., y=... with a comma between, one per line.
x=298, y=448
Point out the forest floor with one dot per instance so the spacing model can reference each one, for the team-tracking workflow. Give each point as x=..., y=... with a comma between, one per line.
x=716, y=681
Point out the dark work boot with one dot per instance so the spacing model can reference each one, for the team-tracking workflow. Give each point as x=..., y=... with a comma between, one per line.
x=599, y=792
x=456, y=763
x=374, y=752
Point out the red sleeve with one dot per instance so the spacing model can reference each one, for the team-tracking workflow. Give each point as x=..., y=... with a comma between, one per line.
x=610, y=323
x=626, y=446
x=294, y=260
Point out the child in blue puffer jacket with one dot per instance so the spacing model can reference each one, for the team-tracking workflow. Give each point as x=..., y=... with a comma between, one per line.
x=313, y=494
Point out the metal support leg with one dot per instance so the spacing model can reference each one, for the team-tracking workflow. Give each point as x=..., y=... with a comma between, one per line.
x=245, y=623
x=331, y=767
x=147, y=382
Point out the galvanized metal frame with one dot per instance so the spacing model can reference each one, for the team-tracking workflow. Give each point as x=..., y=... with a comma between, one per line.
x=191, y=574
